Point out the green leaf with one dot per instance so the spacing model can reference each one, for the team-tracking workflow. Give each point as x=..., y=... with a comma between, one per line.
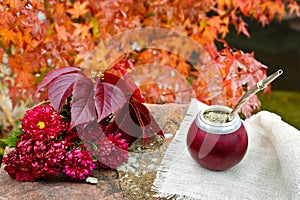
x=95, y=25
x=12, y=140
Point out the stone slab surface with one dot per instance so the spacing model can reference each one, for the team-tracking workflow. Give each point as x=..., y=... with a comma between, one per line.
x=131, y=181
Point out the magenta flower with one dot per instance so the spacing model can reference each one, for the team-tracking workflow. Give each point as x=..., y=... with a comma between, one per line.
x=78, y=164
x=35, y=159
x=71, y=138
x=46, y=148
x=42, y=122
x=38, y=155
x=112, y=151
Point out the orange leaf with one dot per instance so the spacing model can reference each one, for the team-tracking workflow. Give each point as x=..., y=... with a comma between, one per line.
x=82, y=30
x=62, y=33
x=14, y=93
x=6, y=36
x=241, y=28
x=79, y=9
x=263, y=20
x=294, y=8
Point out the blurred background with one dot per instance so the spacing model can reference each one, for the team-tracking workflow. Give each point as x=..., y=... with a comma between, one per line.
x=277, y=46
x=37, y=38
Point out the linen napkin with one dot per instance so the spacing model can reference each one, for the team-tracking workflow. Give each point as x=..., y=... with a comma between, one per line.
x=269, y=170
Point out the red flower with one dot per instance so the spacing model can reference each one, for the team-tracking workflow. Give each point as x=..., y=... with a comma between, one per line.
x=78, y=164
x=42, y=123
x=112, y=151
x=42, y=151
x=35, y=159
x=71, y=138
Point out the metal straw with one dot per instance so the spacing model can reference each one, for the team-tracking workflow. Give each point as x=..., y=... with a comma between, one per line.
x=259, y=86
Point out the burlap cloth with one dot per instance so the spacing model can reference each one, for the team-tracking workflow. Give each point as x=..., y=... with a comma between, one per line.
x=269, y=170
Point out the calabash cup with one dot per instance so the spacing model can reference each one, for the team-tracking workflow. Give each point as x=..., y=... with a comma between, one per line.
x=217, y=145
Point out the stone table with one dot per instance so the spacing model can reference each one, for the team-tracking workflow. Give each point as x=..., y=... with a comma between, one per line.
x=130, y=181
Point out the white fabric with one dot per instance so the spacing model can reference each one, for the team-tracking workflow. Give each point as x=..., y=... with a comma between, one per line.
x=269, y=170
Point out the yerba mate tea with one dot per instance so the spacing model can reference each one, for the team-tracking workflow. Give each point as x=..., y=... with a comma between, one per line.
x=214, y=142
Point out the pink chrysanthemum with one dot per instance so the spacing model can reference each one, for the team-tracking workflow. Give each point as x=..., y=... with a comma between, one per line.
x=78, y=164
x=35, y=159
x=43, y=149
x=71, y=138
x=42, y=123
x=111, y=151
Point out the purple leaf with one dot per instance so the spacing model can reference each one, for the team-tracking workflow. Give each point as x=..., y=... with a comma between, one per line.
x=146, y=120
x=89, y=133
x=53, y=75
x=126, y=125
x=134, y=121
x=83, y=104
x=61, y=88
x=128, y=87
x=108, y=99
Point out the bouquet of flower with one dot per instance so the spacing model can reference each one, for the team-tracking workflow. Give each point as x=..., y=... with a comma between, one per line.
x=84, y=124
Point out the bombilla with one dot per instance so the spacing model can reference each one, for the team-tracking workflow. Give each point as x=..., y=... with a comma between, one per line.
x=259, y=86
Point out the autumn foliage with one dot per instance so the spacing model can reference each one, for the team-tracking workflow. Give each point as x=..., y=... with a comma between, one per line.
x=38, y=36
x=94, y=101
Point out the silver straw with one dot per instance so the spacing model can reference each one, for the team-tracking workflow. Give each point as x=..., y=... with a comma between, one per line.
x=259, y=86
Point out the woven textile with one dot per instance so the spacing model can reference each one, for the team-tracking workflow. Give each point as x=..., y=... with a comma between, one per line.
x=269, y=170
